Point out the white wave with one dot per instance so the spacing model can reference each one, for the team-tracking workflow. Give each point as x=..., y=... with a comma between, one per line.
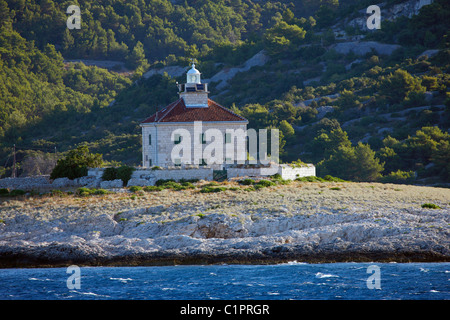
x=291, y=263
x=90, y=294
x=124, y=280
x=321, y=275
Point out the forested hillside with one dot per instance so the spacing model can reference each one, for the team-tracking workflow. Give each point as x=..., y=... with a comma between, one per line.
x=370, y=116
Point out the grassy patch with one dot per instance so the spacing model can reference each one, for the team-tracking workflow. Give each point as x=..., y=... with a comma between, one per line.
x=431, y=206
x=211, y=189
x=87, y=192
x=153, y=188
x=327, y=178
x=247, y=182
x=136, y=188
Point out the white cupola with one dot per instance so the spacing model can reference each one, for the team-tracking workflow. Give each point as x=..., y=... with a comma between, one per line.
x=193, y=75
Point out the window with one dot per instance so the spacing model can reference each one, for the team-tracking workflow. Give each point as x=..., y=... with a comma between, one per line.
x=150, y=162
x=177, y=162
x=149, y=139
x=202, y=138
x=227, y=137
x=203, y=162
x=177, y=139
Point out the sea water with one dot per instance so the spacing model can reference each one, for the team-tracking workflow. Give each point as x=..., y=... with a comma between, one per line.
x=298, y=281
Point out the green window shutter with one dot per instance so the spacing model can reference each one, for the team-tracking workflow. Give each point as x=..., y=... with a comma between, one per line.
x=177, y=139
x=227, y=137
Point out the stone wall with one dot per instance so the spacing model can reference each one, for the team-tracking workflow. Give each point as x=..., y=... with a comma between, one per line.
x=290, y=173
x=26, y=183
x=287, y=172
x=148, y=177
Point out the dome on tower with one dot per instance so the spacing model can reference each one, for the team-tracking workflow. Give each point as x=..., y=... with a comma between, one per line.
x=193, y=75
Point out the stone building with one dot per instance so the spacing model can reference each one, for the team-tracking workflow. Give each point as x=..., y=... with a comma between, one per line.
x=184, y=132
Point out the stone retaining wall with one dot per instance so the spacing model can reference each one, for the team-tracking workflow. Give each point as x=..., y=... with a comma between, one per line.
x=148, y=177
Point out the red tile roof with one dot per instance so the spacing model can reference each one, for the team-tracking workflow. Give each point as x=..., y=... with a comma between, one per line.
x=178, y=112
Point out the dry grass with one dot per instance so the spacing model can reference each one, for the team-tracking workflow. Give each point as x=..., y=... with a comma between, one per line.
x=294, y=198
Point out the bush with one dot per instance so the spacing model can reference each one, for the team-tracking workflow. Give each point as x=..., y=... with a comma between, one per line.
x=124, y=173
x=163, y=181
x=264, y=184
x=17, y=192
x=247, y=182
x=4, y=191
x=58, y=193
x=109, y=174
x=135, y=188
x=87, y=192
x=399, y=176
x=430, y=206
x=152, y=188
x=76, y=164
x=83, y=191
x=332, y=179
x=310, y=179
x=207, y=189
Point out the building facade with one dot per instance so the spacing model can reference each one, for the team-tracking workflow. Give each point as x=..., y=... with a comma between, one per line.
x=193, y=130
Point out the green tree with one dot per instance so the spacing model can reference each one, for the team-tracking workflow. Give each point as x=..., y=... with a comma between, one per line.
x=398, y=85
x=328, y=141
x=76, y=163
x=352, y=163
x=283, y=37
x=136, y=59
x=287, y=129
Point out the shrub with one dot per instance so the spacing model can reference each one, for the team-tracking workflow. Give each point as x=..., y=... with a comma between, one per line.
x=17, y=192
x=100, y=191
x=109, y=174
x=247, y=182
x=4, y=191
x=58, y=193
x=163, y=181
x=332, y=179
x=264, y=184
x=430, y=206
x=207, y=189
x=335, y=188
x=156, y=168
x=152, y=188
x=83, y=191
x=399, y=177
x=135, y=188
x=124, y=173
x=310, y=179
x=187, y=185
x=75, y=164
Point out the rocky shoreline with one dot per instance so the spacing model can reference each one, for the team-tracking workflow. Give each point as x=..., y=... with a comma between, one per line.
x=306, y=222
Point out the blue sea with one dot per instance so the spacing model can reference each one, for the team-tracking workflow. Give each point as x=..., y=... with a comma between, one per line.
x=296, y=281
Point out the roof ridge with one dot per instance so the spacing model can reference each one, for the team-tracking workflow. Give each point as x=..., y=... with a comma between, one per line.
x=169, y=108
x=226, y=109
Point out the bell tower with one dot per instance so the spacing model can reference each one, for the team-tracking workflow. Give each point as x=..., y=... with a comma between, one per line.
x=194, y=92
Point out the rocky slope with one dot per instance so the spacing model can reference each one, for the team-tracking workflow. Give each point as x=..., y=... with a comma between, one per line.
x=311, y=222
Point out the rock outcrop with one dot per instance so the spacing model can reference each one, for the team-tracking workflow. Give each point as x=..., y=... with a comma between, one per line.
x=260, y=228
